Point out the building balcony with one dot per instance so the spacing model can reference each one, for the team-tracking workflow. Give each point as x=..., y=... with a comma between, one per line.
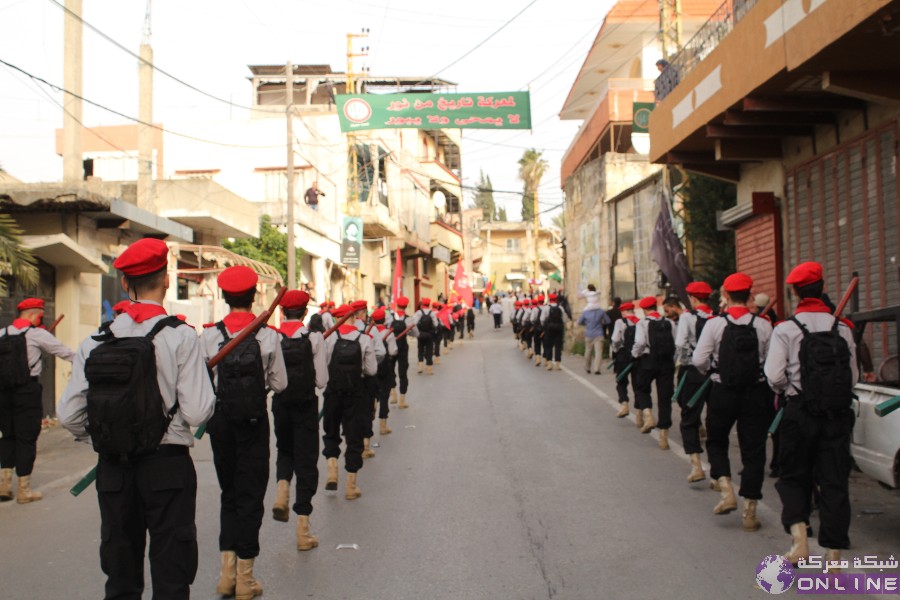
x=609, y=128
x=209, y=209
x=378, y=221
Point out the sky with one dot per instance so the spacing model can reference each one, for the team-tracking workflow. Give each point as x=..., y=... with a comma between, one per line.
x=481, y=45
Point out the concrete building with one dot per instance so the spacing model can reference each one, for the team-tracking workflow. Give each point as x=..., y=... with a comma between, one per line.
x=611, y=187
x=797, y=104
x=508, y=256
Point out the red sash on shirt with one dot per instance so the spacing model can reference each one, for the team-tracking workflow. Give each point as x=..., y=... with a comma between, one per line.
x=288, y=328
x=235, y=321
x=141, y=312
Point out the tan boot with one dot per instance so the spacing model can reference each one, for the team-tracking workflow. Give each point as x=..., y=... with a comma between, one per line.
x=751, y=523
x=384, y=430
x=558, y=366
x=352, y=492
x=471, y=335
x=649, y=423
x=437, y=361
x=282, y=499
x=430, y=369
x=832, y=555
x=530, y=353
x=663, y=439
x=714, y=485
x=421, y=367
x=331, y=481
x=702, y=433
x=24, y=495
x=728, y=502
x=696, y=473
x=623, y=410
x=538, y=359
x=800, y=547
x=247, y=586
x=367, y=449
x=305, y=540
x=393, y=396
x=403, y=403
x=6, y=492
x=228, y=574
x=639, y=418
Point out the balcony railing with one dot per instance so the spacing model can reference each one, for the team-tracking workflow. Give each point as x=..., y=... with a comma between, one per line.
x=699, y=47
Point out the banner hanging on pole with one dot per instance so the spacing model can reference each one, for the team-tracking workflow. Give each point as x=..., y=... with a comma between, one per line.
x=397, y=288
x=461, y=284
x=503, y=110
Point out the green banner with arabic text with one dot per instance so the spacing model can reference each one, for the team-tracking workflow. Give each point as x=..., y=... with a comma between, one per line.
x=505, y=110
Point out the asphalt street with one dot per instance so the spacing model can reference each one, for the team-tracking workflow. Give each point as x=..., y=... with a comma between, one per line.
x=501, y=481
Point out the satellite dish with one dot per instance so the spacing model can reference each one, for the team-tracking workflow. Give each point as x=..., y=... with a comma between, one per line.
x=641, y=143
x=439, y=199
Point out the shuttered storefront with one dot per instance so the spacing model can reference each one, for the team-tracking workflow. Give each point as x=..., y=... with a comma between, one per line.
x=841, y=211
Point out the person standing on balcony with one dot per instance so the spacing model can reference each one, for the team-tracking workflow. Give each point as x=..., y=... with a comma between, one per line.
x=312, y=196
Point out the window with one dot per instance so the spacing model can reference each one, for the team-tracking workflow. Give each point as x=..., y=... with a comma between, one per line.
x=275, y=185
x=512, y=245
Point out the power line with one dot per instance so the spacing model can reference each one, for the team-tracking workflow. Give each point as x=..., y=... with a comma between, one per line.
x=130, y=118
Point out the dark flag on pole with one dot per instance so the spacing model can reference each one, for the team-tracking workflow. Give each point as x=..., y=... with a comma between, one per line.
x=667, y=252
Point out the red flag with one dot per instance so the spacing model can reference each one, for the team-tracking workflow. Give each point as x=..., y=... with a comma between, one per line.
x=461, y=284
x=397, y=289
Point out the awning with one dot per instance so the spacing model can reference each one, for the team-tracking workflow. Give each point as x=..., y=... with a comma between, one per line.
x=60, y=250
x=515, y=277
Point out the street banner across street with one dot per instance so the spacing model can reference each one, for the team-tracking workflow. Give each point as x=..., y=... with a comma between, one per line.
x=502, y=110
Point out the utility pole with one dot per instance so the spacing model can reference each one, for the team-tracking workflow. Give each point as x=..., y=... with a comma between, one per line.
x=353, y=192
x=73, y=167
x=537, y=238
x=670, y=27
x=145, y=115
x=291, y=243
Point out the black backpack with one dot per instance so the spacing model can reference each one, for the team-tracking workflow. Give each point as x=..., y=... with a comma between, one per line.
x=345, y=369
x=316, y=323
x=241, y=391
x=425, y=324
x=398, y=326
x=738, y=354
x=662, y=342
x=14, y=368
x=825, y=372
x=554, y=321
x=298, y=362
x=628, y=338
x=125, y=409
x=700, y=323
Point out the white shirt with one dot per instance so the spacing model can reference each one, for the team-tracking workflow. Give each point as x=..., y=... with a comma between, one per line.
x=686, y=336
x=369, y=362
x=408, y=320
x=269, y=347
x=642, y=335
x=420, y=314
x=706, y=354
x=39, y=340
x=181, y=373
x=317, y=341
x=496, y=309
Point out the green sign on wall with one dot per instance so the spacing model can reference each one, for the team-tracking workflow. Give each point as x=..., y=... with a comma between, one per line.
x=641, y=122
x=505, y=110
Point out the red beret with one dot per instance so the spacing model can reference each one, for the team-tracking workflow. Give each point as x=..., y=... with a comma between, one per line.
x=358, y=305
x=553, y=297
x=698, y=289
x=29, y=303
x=143, y=257
x=402, y=301
x=341, y=311
x=540, y=299
x=119, y=307
x=626, y=306
x=295, y=299
x=527, y=301
x=378, y=314
x=805, y=274
x=181, y=317
x=426, y=301
x=518, y=304
x=648, y=302
x=737, y=282
x=437, y=306
x=328, y=304
x=238, y=279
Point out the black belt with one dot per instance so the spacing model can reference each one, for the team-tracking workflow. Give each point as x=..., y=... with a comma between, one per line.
x=34, y=378
x=163, y=451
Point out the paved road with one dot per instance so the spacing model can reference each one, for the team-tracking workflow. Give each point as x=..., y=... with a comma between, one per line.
x=501, y=481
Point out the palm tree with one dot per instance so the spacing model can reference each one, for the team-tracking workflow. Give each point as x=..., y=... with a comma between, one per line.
x=531, y=170
x=15, y=260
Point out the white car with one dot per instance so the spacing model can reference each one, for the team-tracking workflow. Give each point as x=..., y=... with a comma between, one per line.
x=876, y=440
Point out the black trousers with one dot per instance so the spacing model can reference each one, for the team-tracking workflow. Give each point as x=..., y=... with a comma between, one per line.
x=537, y=341
x=527, y=335
x=156, y=494
x=620, y=362
x=438, y=338
x=386, y=382
x=815, y=451
x=345, y=412
x=297, y=446
x=460, y=328
x=20, y=422
x=241, y=458
x=553, y=342
x=402, y=366
x=470, y=324
x=663, y=373
x=751, y=409
x=426, y=347
x=497, y=319
x=692, y=416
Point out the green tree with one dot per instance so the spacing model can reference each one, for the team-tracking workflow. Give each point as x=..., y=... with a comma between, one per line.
x=484, y=197
x=712, y=250
x=501, y=214
x=15, y=260
x=531, y=170
x=560, y=220
x=269, y=248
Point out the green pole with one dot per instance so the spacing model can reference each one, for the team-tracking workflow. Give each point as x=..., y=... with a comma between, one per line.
x=776, y=421
x=624, y=372
x=696, y=397
x=84, y=483
x=610, y=365
x=679, y=388
x=887, y=407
